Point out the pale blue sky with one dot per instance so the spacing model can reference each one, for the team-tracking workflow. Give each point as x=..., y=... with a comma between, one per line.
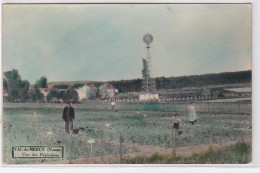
x=104, y=42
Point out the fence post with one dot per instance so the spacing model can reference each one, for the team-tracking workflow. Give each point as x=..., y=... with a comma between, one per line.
x=120, y=147
x=203, y=105
x=208, y=107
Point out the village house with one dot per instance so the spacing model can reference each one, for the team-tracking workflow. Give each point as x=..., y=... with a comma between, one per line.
x=5, y=95
x=85, y=92
x=107, y=91
x=45, y=92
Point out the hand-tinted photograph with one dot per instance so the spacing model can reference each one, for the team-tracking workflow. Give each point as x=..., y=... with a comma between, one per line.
x=127, y=83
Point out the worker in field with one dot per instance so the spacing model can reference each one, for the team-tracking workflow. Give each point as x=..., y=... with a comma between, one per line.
x=192, y=113
x=68, y=116
x=113, y=105
x=176, y=125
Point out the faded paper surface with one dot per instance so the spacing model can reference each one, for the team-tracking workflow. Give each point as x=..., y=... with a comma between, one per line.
x=127, y=83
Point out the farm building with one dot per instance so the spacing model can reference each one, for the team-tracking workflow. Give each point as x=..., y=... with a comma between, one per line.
x=148, y=97
x=238, y=92
x=5, y=95
x=87, y=92
x=45, y=92
x=107, y=91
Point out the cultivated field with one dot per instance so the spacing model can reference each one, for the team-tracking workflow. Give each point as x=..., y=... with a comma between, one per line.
x=118, y=133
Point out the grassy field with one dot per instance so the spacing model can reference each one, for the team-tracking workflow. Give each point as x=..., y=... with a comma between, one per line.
x=145, y=124
x=238, y=153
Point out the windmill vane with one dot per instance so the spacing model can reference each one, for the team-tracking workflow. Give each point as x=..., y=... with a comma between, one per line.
x=148, y=38
x=148, y=83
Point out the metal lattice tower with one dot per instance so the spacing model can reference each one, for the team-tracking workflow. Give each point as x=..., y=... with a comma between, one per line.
x=148, y=83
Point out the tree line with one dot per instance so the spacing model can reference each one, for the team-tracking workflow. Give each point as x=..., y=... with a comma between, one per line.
x=135, y=85
x=21, y=90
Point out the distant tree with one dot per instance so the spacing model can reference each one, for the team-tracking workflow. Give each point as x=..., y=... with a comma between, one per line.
x=72, y=94
x=62, y=95
x=24, y=86
x=91, y=94
x=61, y=86
x=145, y=72
x=12, y=75
x=103, y=92
x=78, y=85
x=52, y=94
x=42, y=82
x=35, y=94
x=5, y=84
x=16, y=88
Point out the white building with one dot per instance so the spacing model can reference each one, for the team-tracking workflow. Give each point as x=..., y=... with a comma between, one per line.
x=148, y=97
x=107, y=91
x=82, y=92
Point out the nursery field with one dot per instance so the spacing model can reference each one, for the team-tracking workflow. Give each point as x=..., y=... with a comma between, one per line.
x=31, y=124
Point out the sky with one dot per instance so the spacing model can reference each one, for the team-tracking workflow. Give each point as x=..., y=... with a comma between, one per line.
x=101, y=42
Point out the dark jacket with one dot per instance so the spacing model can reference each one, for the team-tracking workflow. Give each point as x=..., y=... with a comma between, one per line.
x=71, y=114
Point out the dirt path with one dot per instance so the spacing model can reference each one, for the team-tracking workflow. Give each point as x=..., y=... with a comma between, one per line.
x=148, y=150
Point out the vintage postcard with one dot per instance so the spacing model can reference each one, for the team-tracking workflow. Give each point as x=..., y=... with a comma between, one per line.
x=127, y=84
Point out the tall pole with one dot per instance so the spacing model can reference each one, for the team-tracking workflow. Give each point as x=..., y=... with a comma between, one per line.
x=148, y=68
x=149, y=85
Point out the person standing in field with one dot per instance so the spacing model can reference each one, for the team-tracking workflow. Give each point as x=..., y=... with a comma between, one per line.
x=192, y=113
x=68, y=116
x=113, y=105
x=176, y=125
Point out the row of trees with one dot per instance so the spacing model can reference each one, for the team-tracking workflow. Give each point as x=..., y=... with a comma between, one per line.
x=135, y=85
x=19, y=90
x=65, y=95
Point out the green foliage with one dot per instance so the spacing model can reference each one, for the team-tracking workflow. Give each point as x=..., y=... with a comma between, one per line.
x=155, y=158
x=145, y=72
x=71, y=94
x=235, y=153
x=16, y=88
x=12, y=75
x=5, y=84
x=21, y=127
x=151, y=107
x=123, y=86
x=91, y=94
x=108, y=148
x=103, y=92
x=78, y=85
x=62, y=86
x=52, y=94
x=62, y=95
x=135, y=85
x=42, y=83
x=24, y=89
x=35, y=94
